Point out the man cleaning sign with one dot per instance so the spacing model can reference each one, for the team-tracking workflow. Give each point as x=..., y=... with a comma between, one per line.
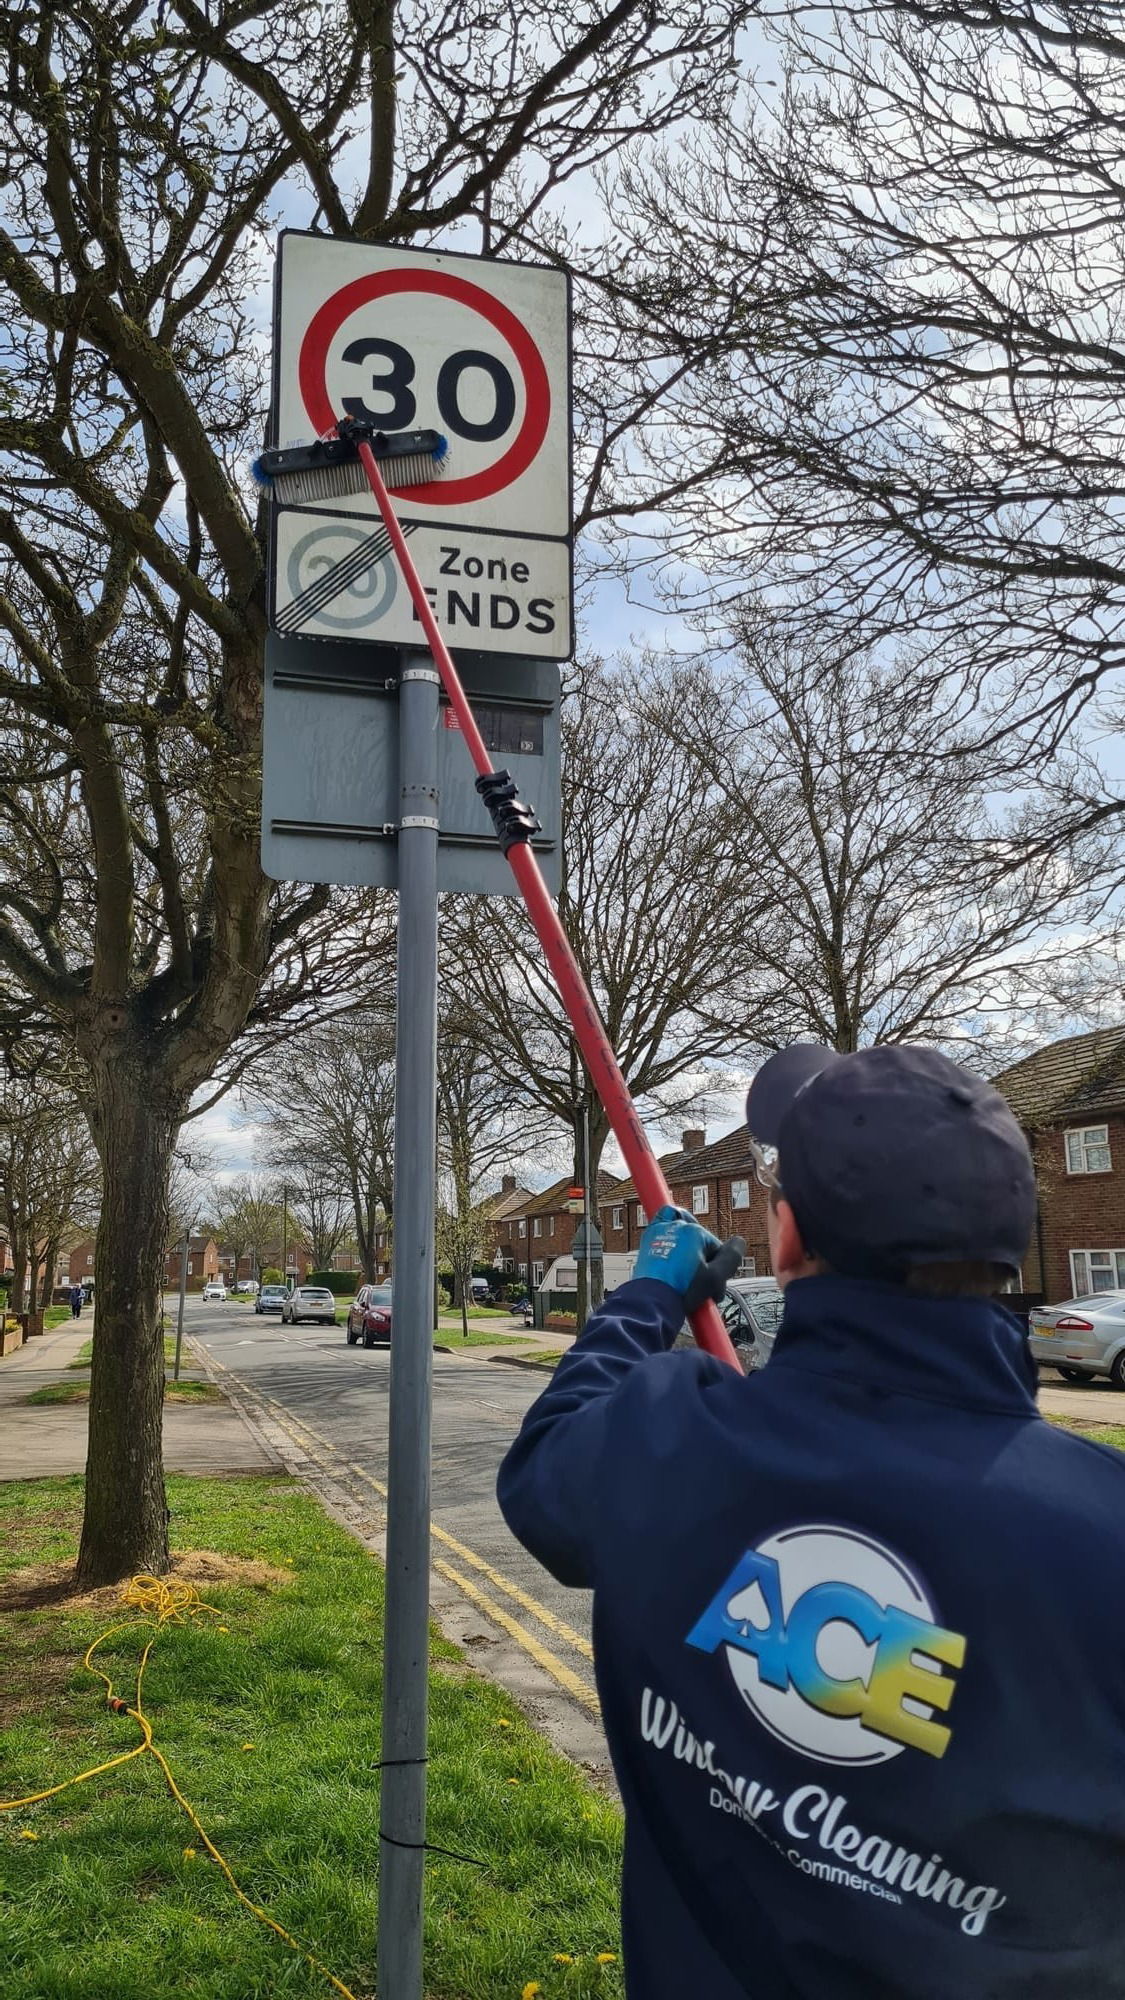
x=858, y=1625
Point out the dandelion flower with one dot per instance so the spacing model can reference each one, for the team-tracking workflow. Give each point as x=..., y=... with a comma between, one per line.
x=26, y=1834
x=249, y=1746
x=607, y=1958
x=189, y=1854
x=503, y=1723
x=563, y=1958
x=531, y=1989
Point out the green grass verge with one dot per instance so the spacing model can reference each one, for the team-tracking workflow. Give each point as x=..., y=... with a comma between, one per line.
x=55, y=1316
x=1112, y=1434
x=85, y=1353
x=272, y=1730
x=77, y=1392
x=452, y=1336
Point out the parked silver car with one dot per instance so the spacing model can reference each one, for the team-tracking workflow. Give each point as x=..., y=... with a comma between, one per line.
x=752, y=1311
x=309, y=1302
x=1082, y=1337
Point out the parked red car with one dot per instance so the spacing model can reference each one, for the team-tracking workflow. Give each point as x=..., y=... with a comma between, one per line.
x=369, y=1316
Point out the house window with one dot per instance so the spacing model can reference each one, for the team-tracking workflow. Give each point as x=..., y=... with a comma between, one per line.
x=740, y=1194
x=700, y=1200
x=537, y=1227
x=618, y=1218
x=90, y=1260
x=1087, y=1150
x=550, y=1225
x=748, y=1268
x=537, y=1274
x=190, y=1266
x=523, y=1225
x=642, y=1218
x=1097, y=1271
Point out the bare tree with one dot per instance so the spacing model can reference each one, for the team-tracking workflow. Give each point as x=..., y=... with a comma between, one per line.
x=483, y=1118
x=335, y=1099
x=901, y=900
x=49, y=1180
x=657, y=886
x=144, y=153
x=888, y=301
x=248, y=1212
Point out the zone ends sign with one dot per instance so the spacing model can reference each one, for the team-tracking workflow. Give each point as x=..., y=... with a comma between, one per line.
x=414, y=339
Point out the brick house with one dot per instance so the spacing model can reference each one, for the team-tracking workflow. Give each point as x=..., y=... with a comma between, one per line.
x=298, y=1263
x=76, y=1265
x=621, y=1216
x=1070, y=1100
x=504, y=1248
x=202, y=1263
x=542, y=1228
x=715, y=1183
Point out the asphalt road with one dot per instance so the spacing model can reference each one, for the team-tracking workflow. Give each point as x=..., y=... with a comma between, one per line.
x=323, y=1406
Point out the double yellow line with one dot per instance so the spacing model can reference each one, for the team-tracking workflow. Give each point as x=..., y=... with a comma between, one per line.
x=573, y=1684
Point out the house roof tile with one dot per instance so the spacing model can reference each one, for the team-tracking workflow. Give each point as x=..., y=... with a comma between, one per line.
x=512, y=1203
x=1083, y=1073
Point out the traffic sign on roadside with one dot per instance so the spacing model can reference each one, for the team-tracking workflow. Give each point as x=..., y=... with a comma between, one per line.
x=331, y=762
x=476, y=349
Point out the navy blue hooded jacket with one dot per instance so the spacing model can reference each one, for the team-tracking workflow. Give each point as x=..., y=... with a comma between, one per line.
x=859, y=1632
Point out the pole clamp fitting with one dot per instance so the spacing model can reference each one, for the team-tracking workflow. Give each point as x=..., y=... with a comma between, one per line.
x=514, y=821
x=417, y=819
x=419, y=674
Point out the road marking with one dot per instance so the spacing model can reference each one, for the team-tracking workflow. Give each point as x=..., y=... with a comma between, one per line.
x=496, y=1577
x=549, y=1662
x=541, y=1612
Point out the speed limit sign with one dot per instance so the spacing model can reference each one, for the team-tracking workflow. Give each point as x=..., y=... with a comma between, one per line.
x=474, y=349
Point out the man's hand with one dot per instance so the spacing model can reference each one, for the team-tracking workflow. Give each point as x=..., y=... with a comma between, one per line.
x=677, y=1251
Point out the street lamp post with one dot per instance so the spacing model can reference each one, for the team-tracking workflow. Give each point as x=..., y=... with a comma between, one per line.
x=284, y=1232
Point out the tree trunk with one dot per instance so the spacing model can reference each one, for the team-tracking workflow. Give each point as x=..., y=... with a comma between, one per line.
x=50, y=1262
x=125, y=1525
x=33, y=1269
x=19, y=1273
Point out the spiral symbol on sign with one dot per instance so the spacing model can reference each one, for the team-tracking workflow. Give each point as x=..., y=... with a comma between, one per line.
x=339, y=575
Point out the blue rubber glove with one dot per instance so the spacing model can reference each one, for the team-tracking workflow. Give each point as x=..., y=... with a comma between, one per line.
x=675, y=1249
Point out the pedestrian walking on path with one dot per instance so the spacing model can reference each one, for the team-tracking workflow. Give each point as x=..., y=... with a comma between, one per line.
x=858, y=1630
x=76, y=1296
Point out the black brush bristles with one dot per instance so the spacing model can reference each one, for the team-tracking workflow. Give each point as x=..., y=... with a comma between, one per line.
x=330, y=468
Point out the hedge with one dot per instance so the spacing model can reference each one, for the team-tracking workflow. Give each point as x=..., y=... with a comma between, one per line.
x=342, y=1284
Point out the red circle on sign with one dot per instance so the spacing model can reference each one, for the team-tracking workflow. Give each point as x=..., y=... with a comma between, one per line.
x=326, y=323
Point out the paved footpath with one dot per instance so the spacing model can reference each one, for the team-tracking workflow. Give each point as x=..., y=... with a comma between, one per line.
x=37, y=1442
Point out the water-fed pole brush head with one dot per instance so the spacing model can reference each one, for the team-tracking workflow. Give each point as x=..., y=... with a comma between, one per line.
x=331, y=467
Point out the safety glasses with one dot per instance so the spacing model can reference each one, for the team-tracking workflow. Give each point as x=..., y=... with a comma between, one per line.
x=765, y=1166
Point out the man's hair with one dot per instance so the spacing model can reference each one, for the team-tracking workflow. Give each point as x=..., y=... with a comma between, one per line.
x=968, y=1278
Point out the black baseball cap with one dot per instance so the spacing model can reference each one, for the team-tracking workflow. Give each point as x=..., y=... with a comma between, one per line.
x=893, y=1156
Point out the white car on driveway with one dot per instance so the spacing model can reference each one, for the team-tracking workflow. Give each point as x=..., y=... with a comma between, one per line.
x=215, y=1289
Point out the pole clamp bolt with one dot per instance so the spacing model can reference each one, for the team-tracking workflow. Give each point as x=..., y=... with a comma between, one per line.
x=514, y=821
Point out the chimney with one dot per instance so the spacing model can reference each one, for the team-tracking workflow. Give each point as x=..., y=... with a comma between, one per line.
x=694, y=1139
x=507, y=1184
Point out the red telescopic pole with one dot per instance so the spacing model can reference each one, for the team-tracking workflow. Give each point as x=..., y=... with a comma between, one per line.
x=597, y=1053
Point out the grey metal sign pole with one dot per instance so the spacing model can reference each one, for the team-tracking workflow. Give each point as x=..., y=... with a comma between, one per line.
x=402, y=1826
